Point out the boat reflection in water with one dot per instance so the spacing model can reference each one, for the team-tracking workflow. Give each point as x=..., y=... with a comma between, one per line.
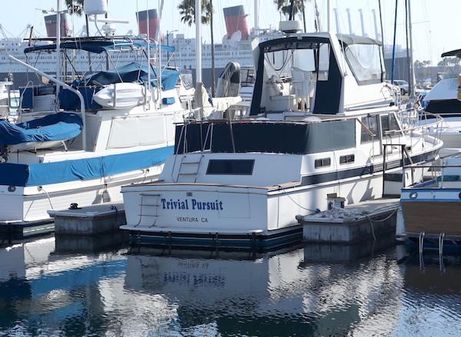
x=270, y=295
x=297, y=292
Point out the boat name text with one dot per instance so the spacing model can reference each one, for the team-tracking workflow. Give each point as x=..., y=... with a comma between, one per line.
x=192, y=204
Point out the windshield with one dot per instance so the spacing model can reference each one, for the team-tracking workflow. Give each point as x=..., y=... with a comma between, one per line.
x=365, y=62
x=282, y=64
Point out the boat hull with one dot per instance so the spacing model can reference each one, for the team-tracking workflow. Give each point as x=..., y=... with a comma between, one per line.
x=24, y=206
x=237, y=241
x=168, y=214
x=439, y=215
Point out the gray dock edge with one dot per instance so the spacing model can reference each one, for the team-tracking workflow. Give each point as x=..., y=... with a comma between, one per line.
x=367, y=221
x=91, y=220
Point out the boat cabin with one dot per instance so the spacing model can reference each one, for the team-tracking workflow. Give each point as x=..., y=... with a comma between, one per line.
x=120, y=63
x=319, y=73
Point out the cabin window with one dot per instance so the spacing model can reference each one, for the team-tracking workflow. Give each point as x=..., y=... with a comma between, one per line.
x=324, y=162
x=369, y=128
x=347, y=159
x=365, y=62
x=389, y=124
x=231, y=167
x=267, y=137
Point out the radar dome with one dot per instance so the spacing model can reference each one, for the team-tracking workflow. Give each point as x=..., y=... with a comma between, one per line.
x=95, y=7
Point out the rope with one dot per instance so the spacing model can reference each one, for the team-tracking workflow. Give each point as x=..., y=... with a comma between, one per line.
x=48, y=197
x=372, y=228
x=372, y=222
x=386, y=218
x=297, y=204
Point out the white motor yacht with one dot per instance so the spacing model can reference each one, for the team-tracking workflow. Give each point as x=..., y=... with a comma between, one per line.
x=322, y=122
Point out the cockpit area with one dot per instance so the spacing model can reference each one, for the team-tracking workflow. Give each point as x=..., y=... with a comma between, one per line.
x=307, y=73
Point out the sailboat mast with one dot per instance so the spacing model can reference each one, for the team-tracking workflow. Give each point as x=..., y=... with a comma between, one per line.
x=256, y=14
x=318, y=27
x=148, y=49
x=410, y=36
x=58, y=44
x=158, y=37
x=198, y=41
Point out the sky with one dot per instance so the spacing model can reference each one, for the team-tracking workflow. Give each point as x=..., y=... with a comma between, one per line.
x=435, y=27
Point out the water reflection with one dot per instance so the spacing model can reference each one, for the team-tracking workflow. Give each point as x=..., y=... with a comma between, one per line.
x=278, y=295
x=42, y=292
x=300, y=292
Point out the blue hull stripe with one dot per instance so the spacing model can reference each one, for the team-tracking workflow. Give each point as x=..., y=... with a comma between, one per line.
x=80, y=169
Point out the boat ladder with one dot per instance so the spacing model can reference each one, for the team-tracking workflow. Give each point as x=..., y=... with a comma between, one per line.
x=148, y=208
x=421, y=242
x=188, y=169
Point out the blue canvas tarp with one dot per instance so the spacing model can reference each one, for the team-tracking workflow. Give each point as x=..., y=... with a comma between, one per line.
x=134, y=72
x=54, y=127
x=80, y=169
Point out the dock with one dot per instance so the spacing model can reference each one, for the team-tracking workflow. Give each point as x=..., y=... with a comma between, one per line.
x=17, y=231
x=366, y=221
x=91, y=220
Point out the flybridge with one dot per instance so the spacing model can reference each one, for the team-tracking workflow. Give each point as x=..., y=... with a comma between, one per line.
x=192, y=204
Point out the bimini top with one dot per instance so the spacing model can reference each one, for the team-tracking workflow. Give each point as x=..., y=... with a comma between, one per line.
x=97, y=46
x=456, y=52
x=305, y=40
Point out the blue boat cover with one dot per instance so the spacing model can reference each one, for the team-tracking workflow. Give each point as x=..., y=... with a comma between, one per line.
x=134, y=72
x=54, y=127
x=80, y=169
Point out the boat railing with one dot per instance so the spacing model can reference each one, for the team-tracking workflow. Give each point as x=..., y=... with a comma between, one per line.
x=64, y=85
x=434, y=128
x=21, y=98
x=434, y=175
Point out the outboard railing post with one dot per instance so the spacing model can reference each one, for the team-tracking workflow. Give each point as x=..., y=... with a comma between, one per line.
x=402, y=151
x=115, y=95
x=64, y=85
x=384, y=168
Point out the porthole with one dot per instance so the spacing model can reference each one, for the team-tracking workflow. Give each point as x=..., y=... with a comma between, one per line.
x=11, y=188
x=414, y=195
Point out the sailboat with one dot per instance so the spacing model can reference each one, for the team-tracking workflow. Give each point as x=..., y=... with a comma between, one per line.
x=78, y=142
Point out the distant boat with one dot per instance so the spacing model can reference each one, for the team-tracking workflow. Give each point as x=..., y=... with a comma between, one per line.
x=442, y=100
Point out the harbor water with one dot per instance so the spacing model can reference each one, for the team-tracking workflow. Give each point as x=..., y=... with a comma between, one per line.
x=310, y=290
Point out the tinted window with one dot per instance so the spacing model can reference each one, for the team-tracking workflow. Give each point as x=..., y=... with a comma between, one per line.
x=225, y=166
x=268, y=137
x=350, y=158
x=324, y=162
x=389, y=123
x=369, y=129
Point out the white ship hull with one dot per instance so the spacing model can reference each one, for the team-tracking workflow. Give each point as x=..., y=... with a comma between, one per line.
x=204, y=214
x=21, y=205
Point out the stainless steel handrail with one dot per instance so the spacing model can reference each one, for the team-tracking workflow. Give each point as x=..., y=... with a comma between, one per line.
x=64, y=85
